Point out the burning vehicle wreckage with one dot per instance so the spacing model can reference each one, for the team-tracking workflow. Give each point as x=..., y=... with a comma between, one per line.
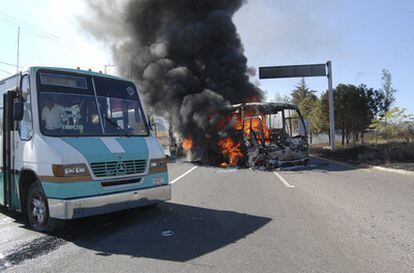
x=258, y=135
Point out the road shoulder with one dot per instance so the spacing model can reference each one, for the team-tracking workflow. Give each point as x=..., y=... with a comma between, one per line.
x=364, y=166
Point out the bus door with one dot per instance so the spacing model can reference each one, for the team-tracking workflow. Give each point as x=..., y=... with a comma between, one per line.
x=16, y=141
x=8, y=126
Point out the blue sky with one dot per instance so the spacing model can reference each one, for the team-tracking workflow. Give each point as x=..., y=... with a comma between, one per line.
x=360, y=37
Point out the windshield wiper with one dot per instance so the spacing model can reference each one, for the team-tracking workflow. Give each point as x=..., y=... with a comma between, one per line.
x=117, y=126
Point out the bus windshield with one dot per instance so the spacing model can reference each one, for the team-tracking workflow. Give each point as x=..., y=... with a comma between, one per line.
x=68, y=106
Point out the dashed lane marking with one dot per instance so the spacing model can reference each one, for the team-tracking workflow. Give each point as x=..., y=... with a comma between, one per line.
x=283, y=180
x=184, y=174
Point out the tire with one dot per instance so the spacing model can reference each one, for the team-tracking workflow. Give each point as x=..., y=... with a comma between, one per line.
x=37, y=210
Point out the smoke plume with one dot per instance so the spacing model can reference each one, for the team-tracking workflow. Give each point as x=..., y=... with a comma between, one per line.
x=186, y=56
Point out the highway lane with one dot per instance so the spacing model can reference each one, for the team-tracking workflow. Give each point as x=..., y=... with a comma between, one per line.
x=327, y=218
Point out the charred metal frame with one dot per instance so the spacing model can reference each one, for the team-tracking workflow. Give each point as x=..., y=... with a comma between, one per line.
x=267, y=153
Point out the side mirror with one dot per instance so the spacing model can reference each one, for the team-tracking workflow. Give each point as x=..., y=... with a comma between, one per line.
x=151, y=122
x=17, y=109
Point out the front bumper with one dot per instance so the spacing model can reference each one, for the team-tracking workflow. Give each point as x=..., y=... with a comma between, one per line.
x=82, y=207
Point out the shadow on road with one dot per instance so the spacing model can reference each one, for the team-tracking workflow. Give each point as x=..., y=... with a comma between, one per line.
x=137, y=233
x=17, y=217
x=323, y=165
x=315, y=164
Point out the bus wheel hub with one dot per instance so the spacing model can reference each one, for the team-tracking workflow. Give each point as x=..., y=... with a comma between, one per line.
x=38, y=210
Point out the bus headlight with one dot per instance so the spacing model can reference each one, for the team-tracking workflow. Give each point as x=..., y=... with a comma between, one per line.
x=158, y=165
x=70, y=170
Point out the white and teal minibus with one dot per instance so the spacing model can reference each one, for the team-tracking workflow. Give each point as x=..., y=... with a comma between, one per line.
x=76, y=143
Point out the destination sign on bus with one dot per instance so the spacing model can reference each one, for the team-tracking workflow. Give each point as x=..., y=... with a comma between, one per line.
x=63, y=80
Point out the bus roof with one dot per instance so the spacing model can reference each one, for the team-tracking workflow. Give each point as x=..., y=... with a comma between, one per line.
x=71, y=70
x=79, y=71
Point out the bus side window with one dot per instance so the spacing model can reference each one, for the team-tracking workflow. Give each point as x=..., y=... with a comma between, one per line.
x=26, y=125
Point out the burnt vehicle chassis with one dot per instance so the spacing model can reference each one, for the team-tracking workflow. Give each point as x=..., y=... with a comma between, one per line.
x=272, y=135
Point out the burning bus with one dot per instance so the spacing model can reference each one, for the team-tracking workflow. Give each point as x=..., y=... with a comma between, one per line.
x=270, y=135
x=267, y=135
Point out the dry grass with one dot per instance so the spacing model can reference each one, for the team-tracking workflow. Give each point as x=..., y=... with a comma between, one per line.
x=389, y=153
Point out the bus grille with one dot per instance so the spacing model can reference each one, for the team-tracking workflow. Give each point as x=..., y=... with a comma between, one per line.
x=113, y=168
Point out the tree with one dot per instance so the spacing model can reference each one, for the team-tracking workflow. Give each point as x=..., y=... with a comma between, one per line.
x=386, y=95
x=325, y=113
x=373, y=99
x=307, y=105
x=366, y=110
x=399, y=125
x=282, y=99
x=319, y=121
x=307, y=102
x=352, y=110
x=301, y=92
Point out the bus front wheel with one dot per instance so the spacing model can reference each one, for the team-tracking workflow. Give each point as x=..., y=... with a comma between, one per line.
x=37, y=211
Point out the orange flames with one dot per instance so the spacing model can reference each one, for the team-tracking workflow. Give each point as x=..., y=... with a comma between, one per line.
x=231, y=149
x=187, y=144
x=255, y=126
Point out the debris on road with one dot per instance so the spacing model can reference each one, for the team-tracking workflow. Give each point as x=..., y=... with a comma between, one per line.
x=167, y=233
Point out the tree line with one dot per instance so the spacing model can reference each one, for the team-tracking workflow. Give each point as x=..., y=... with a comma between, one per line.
x=357, y=110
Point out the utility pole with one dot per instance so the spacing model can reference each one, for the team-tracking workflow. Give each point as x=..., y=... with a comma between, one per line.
x=108, y=65
x=331, y=107
x=18, y=49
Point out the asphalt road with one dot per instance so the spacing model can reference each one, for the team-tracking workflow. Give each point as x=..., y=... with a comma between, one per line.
x=327, y=218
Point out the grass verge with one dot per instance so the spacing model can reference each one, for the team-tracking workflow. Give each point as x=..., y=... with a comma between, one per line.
x=398, y=155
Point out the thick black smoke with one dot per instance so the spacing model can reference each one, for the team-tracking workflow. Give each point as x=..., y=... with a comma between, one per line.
x=186, y=56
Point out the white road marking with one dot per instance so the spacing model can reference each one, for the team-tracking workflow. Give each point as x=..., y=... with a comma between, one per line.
x=184, y=174
x=6, y=220
x=404, y=172
x=283, y=180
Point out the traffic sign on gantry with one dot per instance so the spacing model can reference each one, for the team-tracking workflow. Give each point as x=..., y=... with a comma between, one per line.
x=292, y=71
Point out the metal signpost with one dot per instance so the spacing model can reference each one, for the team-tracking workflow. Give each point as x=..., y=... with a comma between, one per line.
x=301, y=71
x=331, y=106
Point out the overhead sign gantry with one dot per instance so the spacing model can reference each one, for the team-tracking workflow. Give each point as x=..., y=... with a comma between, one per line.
x=301, y=71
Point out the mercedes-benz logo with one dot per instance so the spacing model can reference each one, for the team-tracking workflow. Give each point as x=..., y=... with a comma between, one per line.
x=120, y=168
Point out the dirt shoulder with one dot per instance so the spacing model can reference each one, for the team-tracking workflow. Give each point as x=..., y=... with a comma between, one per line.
x=390, y=155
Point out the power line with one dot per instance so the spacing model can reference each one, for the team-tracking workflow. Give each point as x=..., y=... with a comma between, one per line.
x=14, y=24
x=23, y=24
x=5, y=71
x=27, y=24
x=31, y=29
x=42, y=35
x=13, y=21
x=9, y=64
